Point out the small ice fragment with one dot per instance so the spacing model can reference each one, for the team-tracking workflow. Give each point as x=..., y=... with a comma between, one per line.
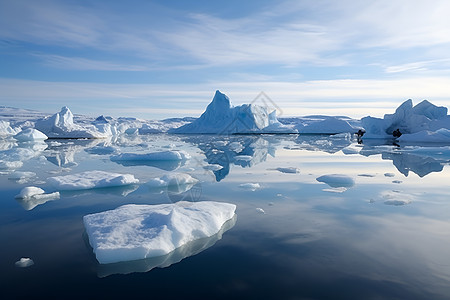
x=24, y=262
x=213, y=167
x=367, y=175
x=337, y=180
x=250, y=186
x=260, y=210
x=244, y=157
x=389, y=174
x=397, y=181
x=91, y=180
x=335, y=190
x=271, y=204
x=290, y=170
x=29, y=192
x=397, y=202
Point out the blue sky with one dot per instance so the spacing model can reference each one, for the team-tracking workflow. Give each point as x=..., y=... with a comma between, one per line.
x=158, y=59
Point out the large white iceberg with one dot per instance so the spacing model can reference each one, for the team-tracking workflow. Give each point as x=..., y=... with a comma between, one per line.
x=133, y=232
x=61, y=125
x=221, y=117
x=407, y=119
x=91, y=180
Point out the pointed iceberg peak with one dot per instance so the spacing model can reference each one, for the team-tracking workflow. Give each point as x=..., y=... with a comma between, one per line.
x=220, y=102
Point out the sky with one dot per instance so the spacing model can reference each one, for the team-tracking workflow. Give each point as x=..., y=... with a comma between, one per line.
x=161, y=59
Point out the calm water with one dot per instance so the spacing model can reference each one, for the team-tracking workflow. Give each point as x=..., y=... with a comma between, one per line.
x=387, y=236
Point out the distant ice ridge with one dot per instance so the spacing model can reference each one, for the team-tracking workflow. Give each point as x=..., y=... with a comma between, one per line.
x=133, y=232
x=221, y=117
x=419, y=123
x=91, y=180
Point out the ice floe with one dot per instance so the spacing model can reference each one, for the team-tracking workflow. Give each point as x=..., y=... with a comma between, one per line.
x=24, y=262
x=153, y=156
x=289, y=170
x=337, y=180
x=250, y=186
x=31, y=196
x=133, y=232
x=175, y=183
x=91, y=180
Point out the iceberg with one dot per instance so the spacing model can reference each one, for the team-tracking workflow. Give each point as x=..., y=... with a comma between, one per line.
x=6, y=130
x=133, y=232
x=61, y=125
x=220, y=117
x=337, y=180
x=30, y=135
x=175, y=183
x=439, y=136
x=407, y=119
x=290, y=170
x=24, y=262
x=91, y=180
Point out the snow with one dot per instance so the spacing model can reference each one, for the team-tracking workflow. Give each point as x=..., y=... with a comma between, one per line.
x=153, y=156
x=91, y=180
x=133, y=232
x=30, y=135
x=61, y=125
x=409, y=119
x=337, y=180
x=24, y=262
x=220, y=117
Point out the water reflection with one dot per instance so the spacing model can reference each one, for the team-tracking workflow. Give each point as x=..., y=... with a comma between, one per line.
x=185, y=251
x=62, y=152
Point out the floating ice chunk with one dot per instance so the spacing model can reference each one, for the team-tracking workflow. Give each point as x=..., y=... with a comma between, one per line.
x=250, y=186
x=133, y=232
x=153, y=156
x=291, y=170
x=396, y=198
x=243, y=157
x=31, y=196
x=30, y=135
x=91, y=180
x=236, y=147
x=367, y=175
x=24, y=262
x=337, y=180
x=260, y=210
x=6, y=130
x=213, y=167
x=389, y=174
x=397, y=181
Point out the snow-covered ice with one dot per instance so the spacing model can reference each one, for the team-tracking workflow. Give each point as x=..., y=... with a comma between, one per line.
x=24, y=262
x=133, y=232
x=220, y=117
x=91, y=180
x=30, y=135
x=337, y=180
x=439, y=136
x=31, y=196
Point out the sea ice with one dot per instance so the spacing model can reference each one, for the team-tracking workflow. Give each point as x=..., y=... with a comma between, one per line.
x=133, y=232
x=30, y=135
x=439, y=136
x=24, y=262
x=337, y=180
x=91, y=180
x=176, y=183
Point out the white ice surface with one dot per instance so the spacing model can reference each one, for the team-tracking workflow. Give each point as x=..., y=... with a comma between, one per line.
x=91, y=179
x=177, y=179
x=290, y=170
x=250, y=186
x=31, y=196
x=330, y=125
x=30, y=135
x=24, y=262
x=220, y=117
x=439, y=136
x=133, y=232
x=337, y=180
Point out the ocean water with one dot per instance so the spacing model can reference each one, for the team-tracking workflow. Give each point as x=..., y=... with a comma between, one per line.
x=378, y=227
